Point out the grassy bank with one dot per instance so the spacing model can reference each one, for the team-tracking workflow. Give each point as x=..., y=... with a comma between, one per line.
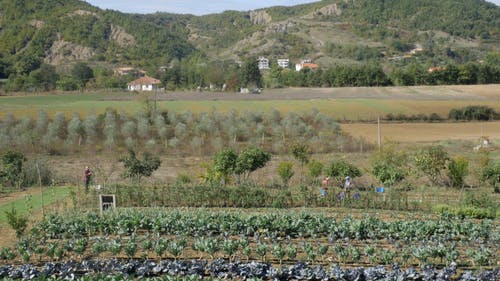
x=32, y=202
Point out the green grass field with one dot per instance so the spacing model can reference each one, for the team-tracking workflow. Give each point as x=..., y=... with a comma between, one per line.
x=343, y=109
x=34, y=202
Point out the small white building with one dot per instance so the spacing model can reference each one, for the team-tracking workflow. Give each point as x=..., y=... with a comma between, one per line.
x=283, y=63
x=263, y=63
x=145, y=83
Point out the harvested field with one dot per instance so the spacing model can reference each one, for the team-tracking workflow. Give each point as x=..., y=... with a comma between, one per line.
x=425, y=132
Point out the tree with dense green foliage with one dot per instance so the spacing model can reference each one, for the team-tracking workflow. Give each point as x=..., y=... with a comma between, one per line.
x=81, y=73
x=473, y=112
x=135, y=169
x=458, y=168
x=4, y=68
x=250, y=159
x=12, y=168
x=250, y=76
x=18, y=222
x=44, y=78
x=339, y=169
x=389, y=166
x=431, y=161
x=285, y=172
x=302, y=153
x=224, y=164
x=491, y=175
x=315, y=168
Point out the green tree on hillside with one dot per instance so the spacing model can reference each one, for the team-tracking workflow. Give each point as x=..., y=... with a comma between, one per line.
x=4, y=67
x=44, y=78
x=250, y=76
x=81, y=73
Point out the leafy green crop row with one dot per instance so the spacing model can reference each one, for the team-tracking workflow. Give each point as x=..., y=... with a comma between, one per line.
x=242, y=248
x=207, y=223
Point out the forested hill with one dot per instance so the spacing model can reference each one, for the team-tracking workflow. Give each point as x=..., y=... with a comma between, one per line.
x=64, y=31
x=391, y=34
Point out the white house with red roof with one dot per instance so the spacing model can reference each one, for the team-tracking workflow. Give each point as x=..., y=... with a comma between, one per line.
x=306, y=64
x=145, y=83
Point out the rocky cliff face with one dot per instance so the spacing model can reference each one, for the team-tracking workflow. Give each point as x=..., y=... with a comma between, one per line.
x=260, y=17
x=330, y=10
x=64, y=52
x=121, y=37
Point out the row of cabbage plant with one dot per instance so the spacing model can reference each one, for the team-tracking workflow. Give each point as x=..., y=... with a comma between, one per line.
x=270, y=224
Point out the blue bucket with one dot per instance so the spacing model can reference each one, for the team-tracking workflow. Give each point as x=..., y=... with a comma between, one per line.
x=380, y=189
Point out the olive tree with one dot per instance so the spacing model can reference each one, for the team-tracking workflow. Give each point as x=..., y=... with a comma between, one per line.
x=110, y=127
x=56, y=130
x=41, y=123
x=22, y=133
x=90, y=128
x=161, y=128
x=142, y=126
x=75, y=130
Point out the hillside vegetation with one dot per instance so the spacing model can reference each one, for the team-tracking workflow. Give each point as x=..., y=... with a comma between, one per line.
x=42, y=40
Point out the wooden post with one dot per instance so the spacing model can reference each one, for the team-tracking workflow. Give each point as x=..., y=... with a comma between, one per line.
x=41, y=189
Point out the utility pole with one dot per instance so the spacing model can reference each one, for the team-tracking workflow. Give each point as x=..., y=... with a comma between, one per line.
x=379, y=135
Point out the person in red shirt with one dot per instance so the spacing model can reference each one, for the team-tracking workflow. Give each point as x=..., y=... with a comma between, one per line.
x=87, y=174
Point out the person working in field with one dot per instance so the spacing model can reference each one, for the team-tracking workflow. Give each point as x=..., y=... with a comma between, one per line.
x=87, y=174
x=347, y=185
x=324, y=186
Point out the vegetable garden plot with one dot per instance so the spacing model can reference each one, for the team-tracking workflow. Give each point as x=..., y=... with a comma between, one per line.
x=277, y=238
x=220, y=269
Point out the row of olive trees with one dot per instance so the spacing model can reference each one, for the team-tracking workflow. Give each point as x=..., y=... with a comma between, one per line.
x=185, y=132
